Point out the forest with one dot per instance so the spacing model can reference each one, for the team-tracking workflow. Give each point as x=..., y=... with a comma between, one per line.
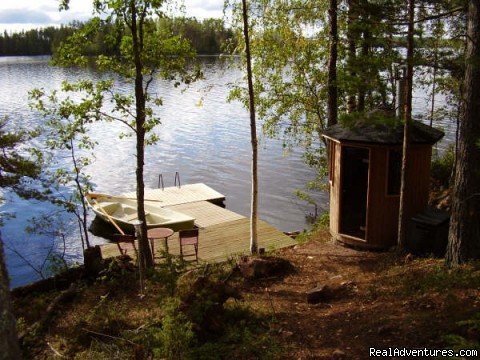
x=208, y=37
x=328, y=77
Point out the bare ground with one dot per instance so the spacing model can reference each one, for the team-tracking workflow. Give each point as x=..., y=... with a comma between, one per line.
x=392, y=301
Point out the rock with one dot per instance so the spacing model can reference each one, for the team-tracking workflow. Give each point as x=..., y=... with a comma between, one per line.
x=261, y=267
x=408, y=259
x=338, y=354
x=319, y=294
x=325, y=293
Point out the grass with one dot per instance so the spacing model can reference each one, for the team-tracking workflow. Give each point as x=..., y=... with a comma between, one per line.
x=183, y=315
x=432, y=275
x=109, y=320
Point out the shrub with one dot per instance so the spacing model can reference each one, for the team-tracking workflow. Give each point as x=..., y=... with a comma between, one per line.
x=442, y=166
x=175, y=338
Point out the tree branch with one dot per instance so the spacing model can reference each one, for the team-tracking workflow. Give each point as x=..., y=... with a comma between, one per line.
x=119, y=120
x=434, y=17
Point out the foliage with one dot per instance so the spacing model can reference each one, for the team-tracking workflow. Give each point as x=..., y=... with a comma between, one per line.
x=442, y=166
x=375, y=118
x=35, y=41
x=175, y=338
x=66, y=131
x=168, y=272
x=19, y=165
x=439, y=278
x=144, y=51
x=207, y=37
x=322, y=224
x=469, y=337
x=290, y=51
x=246, y=335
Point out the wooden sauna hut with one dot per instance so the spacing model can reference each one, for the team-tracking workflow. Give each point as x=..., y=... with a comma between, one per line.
x=364, y=174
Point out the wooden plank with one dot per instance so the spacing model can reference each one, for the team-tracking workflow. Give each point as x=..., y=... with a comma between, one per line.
x=205, y=213
x=180, y=195
x=221, y=241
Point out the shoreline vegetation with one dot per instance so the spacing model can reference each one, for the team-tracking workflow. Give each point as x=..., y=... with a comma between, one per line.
x=214, y=311
x=207, y=37
x=243, y=308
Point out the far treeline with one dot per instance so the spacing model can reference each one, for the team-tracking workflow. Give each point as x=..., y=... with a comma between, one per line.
x=208, y=37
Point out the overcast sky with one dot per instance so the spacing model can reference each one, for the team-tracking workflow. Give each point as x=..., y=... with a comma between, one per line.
x=27, y=14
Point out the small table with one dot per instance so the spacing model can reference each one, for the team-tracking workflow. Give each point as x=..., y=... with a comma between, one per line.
x=158, y=233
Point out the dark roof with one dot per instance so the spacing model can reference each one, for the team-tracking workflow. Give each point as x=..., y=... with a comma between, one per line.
x=383, y=133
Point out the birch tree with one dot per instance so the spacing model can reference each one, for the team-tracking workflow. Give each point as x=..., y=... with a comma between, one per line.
x=253, y=134
x=145, y=51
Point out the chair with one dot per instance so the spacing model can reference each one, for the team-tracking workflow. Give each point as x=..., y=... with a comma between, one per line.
x=125, y=243
x=189, y=237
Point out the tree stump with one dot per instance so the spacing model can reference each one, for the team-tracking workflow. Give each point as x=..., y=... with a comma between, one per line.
x=93, y=261
x=262, y=267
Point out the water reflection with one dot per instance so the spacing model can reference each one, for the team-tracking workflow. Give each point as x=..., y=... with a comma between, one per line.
x=208, y=143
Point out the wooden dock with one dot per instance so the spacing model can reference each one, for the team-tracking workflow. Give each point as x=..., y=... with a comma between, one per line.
x=206, y=214
x=221, y=241
x=180, y=195
x=223, y=233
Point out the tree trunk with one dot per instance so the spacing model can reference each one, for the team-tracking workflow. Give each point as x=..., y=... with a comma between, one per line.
x=253, y=136
x=402, y=211
x=362, y=90
x=9, y=348
x=434, y=87
x=351, y=101
x=145, y=259
x=464, y=235
x=332, y=66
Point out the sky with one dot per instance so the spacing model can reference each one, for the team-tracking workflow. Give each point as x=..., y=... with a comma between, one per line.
x=16, y=15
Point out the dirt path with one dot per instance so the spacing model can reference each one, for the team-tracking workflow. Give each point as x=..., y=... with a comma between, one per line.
x=382, y=309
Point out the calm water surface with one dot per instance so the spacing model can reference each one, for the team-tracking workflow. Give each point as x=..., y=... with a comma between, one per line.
x=207, y=143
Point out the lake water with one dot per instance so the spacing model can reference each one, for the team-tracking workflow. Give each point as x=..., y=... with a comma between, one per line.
x=207, y=143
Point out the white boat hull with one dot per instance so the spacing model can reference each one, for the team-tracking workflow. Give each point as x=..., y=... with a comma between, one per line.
x=124, y=212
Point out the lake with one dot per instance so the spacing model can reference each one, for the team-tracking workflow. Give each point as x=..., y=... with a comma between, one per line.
x=202, y=136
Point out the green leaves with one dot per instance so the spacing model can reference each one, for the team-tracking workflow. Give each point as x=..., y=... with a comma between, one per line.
x=17, y=163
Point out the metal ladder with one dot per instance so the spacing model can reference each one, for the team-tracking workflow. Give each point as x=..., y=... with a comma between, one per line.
x=176, y=181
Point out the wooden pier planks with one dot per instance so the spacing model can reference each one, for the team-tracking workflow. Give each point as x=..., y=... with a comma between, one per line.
x=206, y=214
x=180, y=195
x=221, y=241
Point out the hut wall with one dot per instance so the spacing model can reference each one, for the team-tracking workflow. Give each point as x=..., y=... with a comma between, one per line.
x=382, y=216
x=382, y=209
x=335, y=187
x=419, y=179
x=382, y=212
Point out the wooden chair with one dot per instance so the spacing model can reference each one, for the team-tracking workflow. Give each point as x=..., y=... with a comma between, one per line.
x=188, y=237
x=125, y=243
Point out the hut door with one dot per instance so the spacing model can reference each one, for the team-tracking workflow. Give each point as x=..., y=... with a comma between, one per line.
x=354, y=187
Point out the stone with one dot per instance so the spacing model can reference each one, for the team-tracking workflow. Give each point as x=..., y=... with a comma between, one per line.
x=338, y=354
x=326, y=293
x=319, y=294
x=262, y=267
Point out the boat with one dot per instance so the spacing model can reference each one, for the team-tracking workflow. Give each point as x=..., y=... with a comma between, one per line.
x=123, y=211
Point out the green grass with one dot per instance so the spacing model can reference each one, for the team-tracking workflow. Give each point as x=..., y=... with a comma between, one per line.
x=426, y=275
